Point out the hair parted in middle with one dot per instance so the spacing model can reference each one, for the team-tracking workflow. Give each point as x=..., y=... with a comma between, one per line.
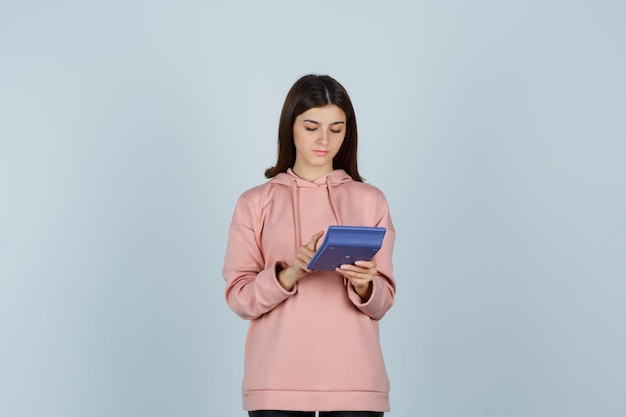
x=308, y=92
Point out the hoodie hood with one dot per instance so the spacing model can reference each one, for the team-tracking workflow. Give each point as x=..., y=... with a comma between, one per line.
x=338, y=176
x=327, y=181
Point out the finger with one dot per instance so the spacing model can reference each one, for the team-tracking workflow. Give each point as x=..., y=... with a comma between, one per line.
x=303, y=258
x=311, y=244
x=352, y=274
x=366, y=264
x=360, y=284
x=358, y=269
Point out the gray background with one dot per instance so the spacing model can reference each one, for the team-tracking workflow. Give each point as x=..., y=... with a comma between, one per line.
x=496, y=130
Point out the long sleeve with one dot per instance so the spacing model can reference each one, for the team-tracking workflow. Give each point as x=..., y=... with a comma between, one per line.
x=252, y=289
x=383, y=284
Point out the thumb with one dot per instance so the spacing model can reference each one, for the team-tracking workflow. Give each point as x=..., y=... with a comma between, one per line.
x=312, y=243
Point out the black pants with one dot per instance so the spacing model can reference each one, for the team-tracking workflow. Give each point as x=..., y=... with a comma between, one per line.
x=273, y=413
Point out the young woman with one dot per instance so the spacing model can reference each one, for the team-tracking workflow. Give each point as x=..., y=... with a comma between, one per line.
x=313, y=340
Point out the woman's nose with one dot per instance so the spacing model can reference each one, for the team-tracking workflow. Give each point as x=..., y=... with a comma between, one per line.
x=323, y=138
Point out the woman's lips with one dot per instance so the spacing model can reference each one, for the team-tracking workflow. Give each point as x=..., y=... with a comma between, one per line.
x=320, y=153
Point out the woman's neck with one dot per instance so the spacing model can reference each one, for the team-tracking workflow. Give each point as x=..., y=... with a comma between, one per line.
x=310, y=174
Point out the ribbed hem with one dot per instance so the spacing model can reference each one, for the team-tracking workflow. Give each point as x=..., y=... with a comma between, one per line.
x=316, y=400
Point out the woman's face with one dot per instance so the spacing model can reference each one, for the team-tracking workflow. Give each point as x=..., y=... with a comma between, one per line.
x=318, y=134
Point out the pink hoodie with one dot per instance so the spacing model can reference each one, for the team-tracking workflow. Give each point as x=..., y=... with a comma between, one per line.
x=317, y=346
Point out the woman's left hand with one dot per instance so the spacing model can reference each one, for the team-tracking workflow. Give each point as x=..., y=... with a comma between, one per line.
x=360, y=275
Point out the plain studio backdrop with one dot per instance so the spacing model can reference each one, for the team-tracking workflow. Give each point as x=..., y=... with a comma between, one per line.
x=497, y=131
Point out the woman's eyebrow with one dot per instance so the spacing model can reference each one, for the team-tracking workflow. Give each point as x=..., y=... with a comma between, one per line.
x=318, y=123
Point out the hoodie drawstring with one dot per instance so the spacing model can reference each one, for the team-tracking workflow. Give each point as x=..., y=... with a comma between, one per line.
x=333, y=203
x=333, y=206
x=296, y=212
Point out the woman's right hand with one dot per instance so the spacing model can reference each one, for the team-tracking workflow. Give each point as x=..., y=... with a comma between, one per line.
x=290, y=275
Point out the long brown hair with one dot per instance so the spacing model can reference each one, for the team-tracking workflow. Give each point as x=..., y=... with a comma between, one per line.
x=308, y=92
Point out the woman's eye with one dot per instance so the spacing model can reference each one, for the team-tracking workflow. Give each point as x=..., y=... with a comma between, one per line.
x=310, y=129
x=335, y=131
